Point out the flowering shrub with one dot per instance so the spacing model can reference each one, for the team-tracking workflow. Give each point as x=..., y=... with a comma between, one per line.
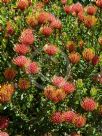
x=51, y=68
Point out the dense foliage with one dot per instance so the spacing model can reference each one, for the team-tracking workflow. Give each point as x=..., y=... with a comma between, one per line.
x=51, y=68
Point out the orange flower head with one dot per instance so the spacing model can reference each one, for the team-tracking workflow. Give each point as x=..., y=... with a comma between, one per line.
x=74, y=57
x=100, y=40
x=6, y=92
x=90, y=21
x=10, y=73
x=32, y=20
x=22, y=4
x=49, y=91
x=79, y=121
x=24, y=84
x=88, y=54
x=71, y=46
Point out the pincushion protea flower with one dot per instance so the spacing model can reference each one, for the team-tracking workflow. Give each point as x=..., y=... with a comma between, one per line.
x=10, y=73
x=58, y=95
x=24, y=84
x=63, y=1
x=6, y=92
x=20, y=61
x=81, y=16
x=88, y=54
x=27, y=37
x=56, y=24
x=22, y=4
x=68, y=87
x=56, y=118
x=71, y=46
x=95, y=60
x=81, y=43
x=46, y=30
x=48, y=91
x=32, y=68
x=3, y=133
x=9, y=29
x=68, y=116
x=74, y=57
x=67, y=9
x=79, y=121
x=4, y=122
x=21, y=49
x=76, y=8
x=50, y=49
x=32, y=20
x=91, y=10
x=43, y=17
x=58, y=81
x=99, y=3
x=90, y=21
x=100, y=40
x=88, y=104
x=53, y=94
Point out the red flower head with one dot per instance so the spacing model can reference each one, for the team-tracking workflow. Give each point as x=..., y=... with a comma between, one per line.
x=67, y=9
x=32, y=68
x=68, y=116
x=10, y=73
x=56, y=24
x=4, y=122
x=71, y=46
x=50, y=49
x=88, y=54
x=56, y=118
x=79, y=121
x=27, y=37
x=76, y=8
x=43, y=17
x=91, y=10
x=20, y=61
x=58, y=81
x=3, y=133
x=47, y=31
x=81, y=16
x=74, y=57
x=9, y=29
x=51, y=17
x=22, y=4
x=21, y=49
x=24, y=84
x=95, y=60
x=68, y=87
x=63, y=1
x=88, y=104
x=99, y=3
